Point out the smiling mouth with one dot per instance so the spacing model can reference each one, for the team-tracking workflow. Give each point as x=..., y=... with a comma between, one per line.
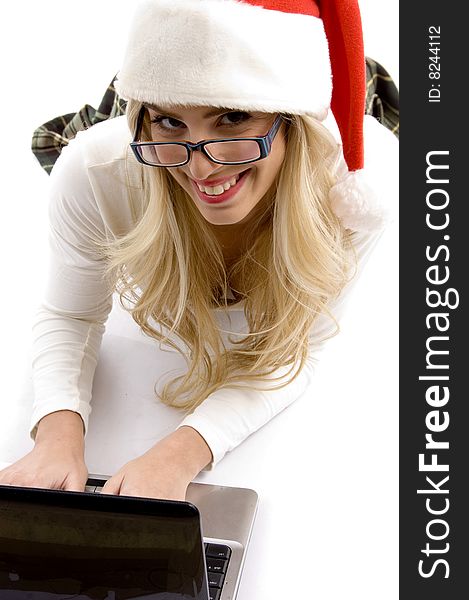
x=222, y=191
x=220, y=188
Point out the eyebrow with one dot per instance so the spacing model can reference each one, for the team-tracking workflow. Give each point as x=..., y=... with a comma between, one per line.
x=207, y=115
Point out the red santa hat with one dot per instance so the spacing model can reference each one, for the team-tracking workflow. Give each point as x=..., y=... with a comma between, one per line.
x=298, y=57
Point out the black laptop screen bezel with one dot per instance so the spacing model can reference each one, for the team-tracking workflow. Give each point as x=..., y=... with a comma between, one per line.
x=94, y=503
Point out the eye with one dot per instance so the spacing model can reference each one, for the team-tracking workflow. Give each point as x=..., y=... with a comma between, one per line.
x=235, y=118
x=166, y=123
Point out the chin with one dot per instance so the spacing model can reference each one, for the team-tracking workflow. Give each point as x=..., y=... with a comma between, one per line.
x=220, y=219
x=219, y=214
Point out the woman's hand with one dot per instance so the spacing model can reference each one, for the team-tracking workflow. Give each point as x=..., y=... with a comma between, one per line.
x=49, y=466
x=165, y=470
x=57, y=459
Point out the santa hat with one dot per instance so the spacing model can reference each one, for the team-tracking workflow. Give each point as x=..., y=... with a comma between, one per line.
x=297, y=57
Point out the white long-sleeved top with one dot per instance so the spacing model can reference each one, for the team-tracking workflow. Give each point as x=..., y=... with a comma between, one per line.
x=96, y=194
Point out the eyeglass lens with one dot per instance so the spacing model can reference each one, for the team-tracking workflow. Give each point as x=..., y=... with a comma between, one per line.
x=232, y=151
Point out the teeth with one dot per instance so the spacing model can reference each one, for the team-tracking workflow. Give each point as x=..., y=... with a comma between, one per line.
x=219, y=189
x=216, y=191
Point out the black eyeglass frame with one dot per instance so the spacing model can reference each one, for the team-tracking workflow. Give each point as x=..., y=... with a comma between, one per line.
x=264, y=142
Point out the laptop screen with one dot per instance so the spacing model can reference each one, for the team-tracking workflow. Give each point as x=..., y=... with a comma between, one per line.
x=64, y=545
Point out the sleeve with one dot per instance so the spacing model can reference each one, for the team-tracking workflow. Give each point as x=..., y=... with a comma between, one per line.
x=228, y=416
x=69, y=324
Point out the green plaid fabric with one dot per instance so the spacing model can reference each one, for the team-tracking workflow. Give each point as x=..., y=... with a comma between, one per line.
x=49, y=139
x=382, y=97
x=382, y=101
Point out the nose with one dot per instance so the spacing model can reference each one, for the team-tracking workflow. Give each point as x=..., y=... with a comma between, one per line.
x=201, y=167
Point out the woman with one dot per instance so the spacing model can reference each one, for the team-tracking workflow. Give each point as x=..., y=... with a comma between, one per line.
x=232, y=192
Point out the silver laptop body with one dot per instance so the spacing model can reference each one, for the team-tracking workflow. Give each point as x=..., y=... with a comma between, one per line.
x=227, y=517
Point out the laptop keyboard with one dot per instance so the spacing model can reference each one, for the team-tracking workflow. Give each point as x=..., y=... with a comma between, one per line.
x=217, y=557
x=93, y=488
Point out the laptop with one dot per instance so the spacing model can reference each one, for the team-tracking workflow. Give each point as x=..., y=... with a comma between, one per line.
x=56, y=544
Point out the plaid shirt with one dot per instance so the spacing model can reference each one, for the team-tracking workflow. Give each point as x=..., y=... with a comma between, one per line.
x=382, y=102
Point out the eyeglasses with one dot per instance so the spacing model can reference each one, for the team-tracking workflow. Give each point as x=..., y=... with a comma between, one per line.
x=229, y=151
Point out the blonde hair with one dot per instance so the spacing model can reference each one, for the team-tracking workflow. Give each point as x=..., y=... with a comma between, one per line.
x=297, y=263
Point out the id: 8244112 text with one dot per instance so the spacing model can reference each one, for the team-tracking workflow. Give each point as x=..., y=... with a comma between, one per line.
x=434, y=71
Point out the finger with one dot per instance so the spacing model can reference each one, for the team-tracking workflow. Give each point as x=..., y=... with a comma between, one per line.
x=6, y=476
x=16, y=480
x=111, y=487
x=74, y=485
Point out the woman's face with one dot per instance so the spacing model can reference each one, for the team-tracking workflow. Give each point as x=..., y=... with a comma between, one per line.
x=224, y=194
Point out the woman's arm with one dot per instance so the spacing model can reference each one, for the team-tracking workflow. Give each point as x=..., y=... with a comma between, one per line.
x=67, y=333
x=69, y=325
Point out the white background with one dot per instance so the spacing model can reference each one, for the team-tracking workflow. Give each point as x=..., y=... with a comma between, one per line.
x=59, y=55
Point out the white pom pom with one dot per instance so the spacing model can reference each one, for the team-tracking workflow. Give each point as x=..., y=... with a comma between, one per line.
x=356, y=204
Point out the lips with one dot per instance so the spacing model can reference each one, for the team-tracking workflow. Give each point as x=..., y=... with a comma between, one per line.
x=214, y=182
x=227, y=194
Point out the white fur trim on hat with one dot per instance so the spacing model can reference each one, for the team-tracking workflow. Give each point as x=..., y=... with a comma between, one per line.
x=229, y=54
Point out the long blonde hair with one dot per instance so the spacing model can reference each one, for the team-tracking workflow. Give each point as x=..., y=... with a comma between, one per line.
x=298, y=260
